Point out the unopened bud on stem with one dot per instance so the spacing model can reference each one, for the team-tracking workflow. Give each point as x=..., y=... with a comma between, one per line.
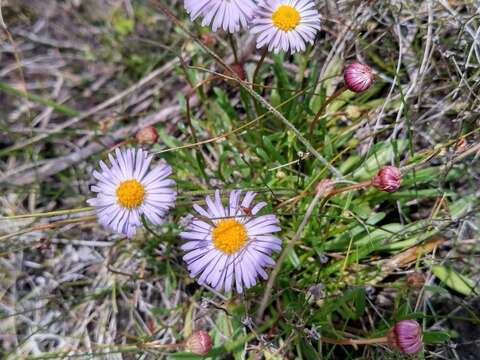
x=358, y=77
x=238, y=70
x=406, y=335
x=147, y=136
x=388, y=179
x=325, y=187
x=199, y=343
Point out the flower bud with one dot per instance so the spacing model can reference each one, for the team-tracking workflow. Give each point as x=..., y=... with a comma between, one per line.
x=208, y=39
x=388, y=179
x=238, y=70
x=415, y=280
x=324, y=187
x=406, y=336
x=358, y=77
x=147, y=136
x=199, y=343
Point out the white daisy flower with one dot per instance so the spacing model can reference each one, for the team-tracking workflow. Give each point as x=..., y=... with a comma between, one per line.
x=230, y=244
x=127, y=190
x=230, y=15
x=286, y=25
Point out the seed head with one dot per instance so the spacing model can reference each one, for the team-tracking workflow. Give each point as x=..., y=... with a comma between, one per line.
x=358, y=77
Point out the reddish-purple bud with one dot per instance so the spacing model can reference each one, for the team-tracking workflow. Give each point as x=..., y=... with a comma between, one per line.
x=238, y=70
x=415, y=280
x=388, y=178
x=325, y=186
x=199, y=343
x=209, y=39
x=358, y=77
x=406, y=336
x=147, y=136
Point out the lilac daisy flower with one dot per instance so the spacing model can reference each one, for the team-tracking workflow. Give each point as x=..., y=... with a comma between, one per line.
x=286, y=24
x=230, y=15
x=127, y=190
x=230, y=244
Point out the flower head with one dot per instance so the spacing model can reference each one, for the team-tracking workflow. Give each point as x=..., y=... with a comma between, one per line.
x=199, y=343
x=388, y=178
x=230, y=15
x=406, y=335
x=127, y=190
x=358, y=77
x=286, y=24
x=230, y=244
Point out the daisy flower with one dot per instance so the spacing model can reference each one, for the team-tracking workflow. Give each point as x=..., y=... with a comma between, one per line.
x=286, y=24
x=127, y=190
x=230, y=15
x=232, y=244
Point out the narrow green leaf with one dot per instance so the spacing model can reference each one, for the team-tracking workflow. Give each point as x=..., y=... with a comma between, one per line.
x=455, y=280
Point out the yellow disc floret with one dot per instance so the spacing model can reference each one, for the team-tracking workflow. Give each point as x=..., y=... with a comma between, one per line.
x=130, y=194
x=229, y=236
x=286, y=17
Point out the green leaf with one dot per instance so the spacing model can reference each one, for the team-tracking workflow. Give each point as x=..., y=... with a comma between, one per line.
x=121, y=24
x=293, y=257
x=455, y=280
x=435, y=289
x=435, y=337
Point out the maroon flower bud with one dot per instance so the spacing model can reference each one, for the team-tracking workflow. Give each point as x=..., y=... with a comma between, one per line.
x=199, y=343
x=324, y=187
x=238, y=70
x=415, y=280
x=358, y=77
x=406, y=336
x=387, y=179
x=209, y=39
x=147, y=136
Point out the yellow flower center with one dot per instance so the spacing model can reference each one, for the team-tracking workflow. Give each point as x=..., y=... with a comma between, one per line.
x=229, y=236
x=130, y=194
x=286, y=17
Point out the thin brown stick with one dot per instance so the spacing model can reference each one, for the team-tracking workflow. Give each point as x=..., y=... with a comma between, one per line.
x=378, y=341
x=358, y=186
